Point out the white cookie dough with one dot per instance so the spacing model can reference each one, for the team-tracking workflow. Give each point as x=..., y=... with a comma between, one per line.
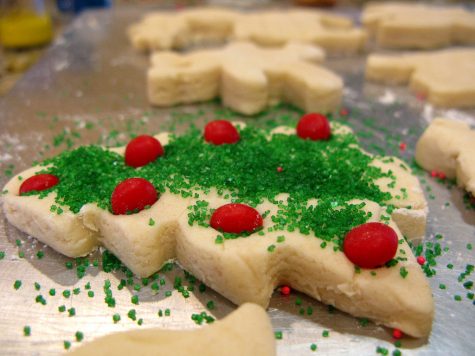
x=246, y=331
x=448, y=146
x=175, y=30
x=444, y=77
x=243, y=270
x=418, y=26
x=247, y=78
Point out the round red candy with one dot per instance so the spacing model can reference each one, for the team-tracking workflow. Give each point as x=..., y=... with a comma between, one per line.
x=236, y=218
x=142, y=150
x=38, y=183
x=314, y=126
x=370, y=245
x=132, y=195
x=219, y=132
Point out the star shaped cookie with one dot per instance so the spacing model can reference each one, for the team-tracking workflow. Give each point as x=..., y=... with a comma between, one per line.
x=445, y=77
x=418, y=26
x=197, y=26
x=247, y=78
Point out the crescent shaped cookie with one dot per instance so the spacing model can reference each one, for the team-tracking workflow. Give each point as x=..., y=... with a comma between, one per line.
x=246, y=331
x=322, y=190
x=444, y=77
x=418, y=26
x=448, y=146
x=247, y=78
x=165, y=31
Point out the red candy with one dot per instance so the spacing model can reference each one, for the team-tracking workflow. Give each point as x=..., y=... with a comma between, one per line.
x=421, y=260
x=397, y=334
x=285, y=290
x=314, y=126
x=38, y=183
x=370, y=245
x=142, y=150
x=132, y=195
x=219, y=132
x=236, y=218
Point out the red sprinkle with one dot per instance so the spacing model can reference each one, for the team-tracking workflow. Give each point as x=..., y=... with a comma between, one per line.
x=344, y=112
x=370, y=245
x=132, y=195
x=441, y=175
x=38, y=183
x=236, y=218
x=433, y=173
x=219, y=132
x=314, y=126
x=421, y=260
x=402, y=146
x=397, y=334
x=285, y=290
x=279, y=169
x=142, y=150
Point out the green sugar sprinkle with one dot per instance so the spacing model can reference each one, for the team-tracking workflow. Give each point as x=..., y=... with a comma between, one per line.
x=313, y=347
x=403, y=272
x=52, y=292
x=325, y=333
x=278, y=335
x=67, y=344
x=2, y=255
x=201, y=318
x=62, y=308
x=151, y=222
x=17, y=284
x=132, y=314
x=134, y=299
x=79, y=336
x=26, y=330
x=116, y=318
x=90, y=294
x=333, y=171
x=71, y=311
x=40, y=255
x=37, y=286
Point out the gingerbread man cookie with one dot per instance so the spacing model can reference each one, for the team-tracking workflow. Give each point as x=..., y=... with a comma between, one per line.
x=448, y=147
x=164, y=31
x=418, y=26
x=247, y=78
x=245, y=210
x=444, y=77
x=246, y=331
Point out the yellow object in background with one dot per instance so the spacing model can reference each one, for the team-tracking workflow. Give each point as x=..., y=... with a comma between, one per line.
x=25, y=28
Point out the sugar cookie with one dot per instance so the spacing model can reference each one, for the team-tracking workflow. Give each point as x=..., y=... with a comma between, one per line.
x=418, y=26
x=247, y=78
x=305, y=196
x=444, y=77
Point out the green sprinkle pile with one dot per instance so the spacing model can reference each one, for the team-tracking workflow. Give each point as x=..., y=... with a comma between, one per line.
x=333, y=171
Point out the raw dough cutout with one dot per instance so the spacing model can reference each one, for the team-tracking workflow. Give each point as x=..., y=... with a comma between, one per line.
x=197, y=26
x=448, y=146
x=418, y=26
x=247, y=78
x=244, y=269
x=444, y=77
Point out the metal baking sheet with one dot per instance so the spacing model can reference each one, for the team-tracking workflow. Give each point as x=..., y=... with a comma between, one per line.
x=90, y=88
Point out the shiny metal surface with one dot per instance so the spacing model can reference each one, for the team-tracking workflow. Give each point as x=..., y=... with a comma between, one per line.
x=90, y=87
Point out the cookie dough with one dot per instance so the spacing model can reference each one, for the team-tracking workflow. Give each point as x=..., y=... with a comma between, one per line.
x=444, y=77
x=247, y=78
x=448, y=146
x=418, y=26
x=244, y=269
x=164, y=31
x=246, y=331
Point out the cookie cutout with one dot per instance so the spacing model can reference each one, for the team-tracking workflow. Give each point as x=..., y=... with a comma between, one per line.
x=246, y=331
x=418, y=26
x=448, y=147
x=445, y=78
x=247, y=78
x=307, y=206
x=197, y=26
